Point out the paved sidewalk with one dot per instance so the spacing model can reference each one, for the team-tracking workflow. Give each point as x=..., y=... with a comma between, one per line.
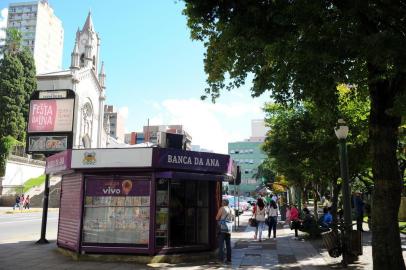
x=284, y=252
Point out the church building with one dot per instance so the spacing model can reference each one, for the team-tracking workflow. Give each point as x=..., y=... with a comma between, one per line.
x=86, y=77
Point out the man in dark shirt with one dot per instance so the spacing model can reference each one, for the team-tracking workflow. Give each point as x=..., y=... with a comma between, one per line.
x=359, y=210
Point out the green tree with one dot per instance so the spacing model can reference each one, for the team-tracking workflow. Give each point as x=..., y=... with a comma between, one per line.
x=12, y=97
x=265, y=172
x=303, y=50
x=30, y=80
x=13, y=41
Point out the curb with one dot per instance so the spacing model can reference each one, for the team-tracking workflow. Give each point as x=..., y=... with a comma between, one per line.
x=140, y=259
x=11, y=212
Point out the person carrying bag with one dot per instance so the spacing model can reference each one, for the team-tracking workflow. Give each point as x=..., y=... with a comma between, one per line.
x=259, y=215
x=225, y=217
x=272, y=218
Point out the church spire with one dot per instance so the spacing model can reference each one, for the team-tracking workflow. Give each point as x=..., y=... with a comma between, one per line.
x=77, y=35
x=89, y=23
x=102, y=76
x=75, y=57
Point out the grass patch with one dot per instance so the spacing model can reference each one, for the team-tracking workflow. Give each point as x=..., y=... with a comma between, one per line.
x=402, y=225
x=32, y=182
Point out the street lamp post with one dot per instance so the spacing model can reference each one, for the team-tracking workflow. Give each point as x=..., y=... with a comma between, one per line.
x=341, y=132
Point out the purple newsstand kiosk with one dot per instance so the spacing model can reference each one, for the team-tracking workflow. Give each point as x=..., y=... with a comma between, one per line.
x=138, y=200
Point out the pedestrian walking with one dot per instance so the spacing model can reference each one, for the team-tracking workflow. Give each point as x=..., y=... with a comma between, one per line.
x=254, y=211
x=272, y=218
x=359, y=210
x=21, y=204
x=27, y=202
x=260, y=215
x=224, y=213
x=17, y=202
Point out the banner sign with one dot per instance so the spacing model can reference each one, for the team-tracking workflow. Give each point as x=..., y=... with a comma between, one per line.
x=59, y=162
x=51, y=115
x=112, y=158
x=52, y=94
x=47, y=143
x=117, y=187
x=190, y=160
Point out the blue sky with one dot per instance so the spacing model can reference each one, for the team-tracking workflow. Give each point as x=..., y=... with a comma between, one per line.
x=154, y=70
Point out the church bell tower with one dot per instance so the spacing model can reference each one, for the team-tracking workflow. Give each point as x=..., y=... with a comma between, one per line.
x=88, y=45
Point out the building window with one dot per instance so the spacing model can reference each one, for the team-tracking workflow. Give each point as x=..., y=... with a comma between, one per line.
x=232, y=151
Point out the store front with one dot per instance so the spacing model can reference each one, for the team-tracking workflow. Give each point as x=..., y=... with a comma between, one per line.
x=147, y=201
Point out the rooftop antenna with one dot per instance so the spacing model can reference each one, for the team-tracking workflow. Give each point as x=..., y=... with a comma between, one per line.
x=148, y=130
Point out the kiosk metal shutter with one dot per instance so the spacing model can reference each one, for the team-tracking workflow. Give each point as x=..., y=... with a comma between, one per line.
x=70, y=213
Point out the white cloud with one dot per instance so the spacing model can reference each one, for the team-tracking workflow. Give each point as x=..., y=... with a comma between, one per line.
x=211, y=126
x=123, y=111
x=3, y=24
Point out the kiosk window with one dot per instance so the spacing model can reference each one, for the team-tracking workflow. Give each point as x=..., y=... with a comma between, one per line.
x=162, y=204
x=117, y=212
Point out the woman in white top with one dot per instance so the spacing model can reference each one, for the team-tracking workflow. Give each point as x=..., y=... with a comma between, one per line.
x=272, y=218
x=260, y=217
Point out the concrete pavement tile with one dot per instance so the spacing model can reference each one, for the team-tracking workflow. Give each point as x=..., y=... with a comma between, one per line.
x=286, y=258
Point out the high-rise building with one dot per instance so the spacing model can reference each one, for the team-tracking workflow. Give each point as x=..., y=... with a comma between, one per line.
x=42, y=33
x=115, y=123
x=249, y=155
x=258, y=130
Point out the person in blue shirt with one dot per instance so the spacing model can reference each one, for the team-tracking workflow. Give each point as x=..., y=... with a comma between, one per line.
x=327, y=218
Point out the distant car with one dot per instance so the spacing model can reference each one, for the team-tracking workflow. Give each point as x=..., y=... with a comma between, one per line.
x=250, y=200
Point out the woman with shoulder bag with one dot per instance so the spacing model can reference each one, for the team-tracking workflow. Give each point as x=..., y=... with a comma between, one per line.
x=260, y=217
x=225, y=213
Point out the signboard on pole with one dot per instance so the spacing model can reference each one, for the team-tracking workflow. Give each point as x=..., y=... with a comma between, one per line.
x=51, y=115
x=50, y=121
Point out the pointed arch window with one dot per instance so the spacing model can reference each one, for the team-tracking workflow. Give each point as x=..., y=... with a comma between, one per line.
x=87, y=124
x=82, y=59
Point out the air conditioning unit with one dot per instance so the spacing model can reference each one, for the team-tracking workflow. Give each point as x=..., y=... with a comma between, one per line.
x=171, y=140
x=161, y=139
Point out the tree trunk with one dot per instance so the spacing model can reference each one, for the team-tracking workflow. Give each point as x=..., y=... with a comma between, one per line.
x=383, y=132
x=316, y=215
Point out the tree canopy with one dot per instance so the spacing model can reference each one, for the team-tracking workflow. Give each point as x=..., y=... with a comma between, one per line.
x=301, y=51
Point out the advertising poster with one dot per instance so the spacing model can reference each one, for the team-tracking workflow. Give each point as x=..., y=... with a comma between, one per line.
x=52, y=115
x=125, y=187
x=47, y=143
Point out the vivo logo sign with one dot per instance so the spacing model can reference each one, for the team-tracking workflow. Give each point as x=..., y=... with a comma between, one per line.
x=111, y=191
